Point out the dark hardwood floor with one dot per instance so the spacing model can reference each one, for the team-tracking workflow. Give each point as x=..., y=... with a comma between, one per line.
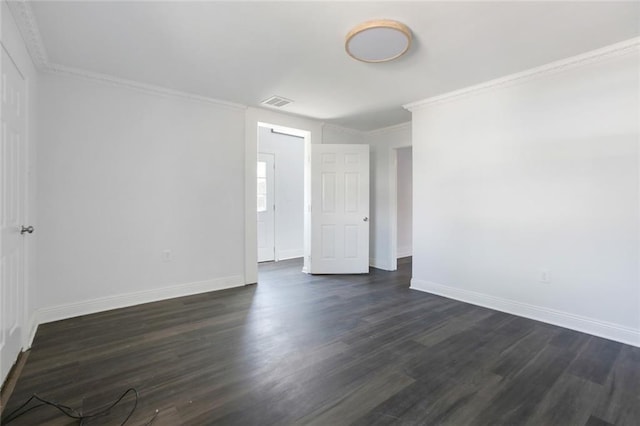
x=328, y=350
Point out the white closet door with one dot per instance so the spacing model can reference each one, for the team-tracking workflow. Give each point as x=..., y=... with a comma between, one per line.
x=12, y=213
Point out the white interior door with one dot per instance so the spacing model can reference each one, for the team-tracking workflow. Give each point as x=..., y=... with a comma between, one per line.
x=339, y=209
x=12, y=188
x=266, y=208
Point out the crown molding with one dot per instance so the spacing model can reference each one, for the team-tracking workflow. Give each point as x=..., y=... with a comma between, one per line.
x=52, y=68
x=384, y=130
x=607, y=52
x=380, y=131
x=26, y=22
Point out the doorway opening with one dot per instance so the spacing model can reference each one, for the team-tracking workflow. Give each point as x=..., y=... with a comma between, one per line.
x=281, y=196
x=401, y=205
x=340, y=186
x=404, y=193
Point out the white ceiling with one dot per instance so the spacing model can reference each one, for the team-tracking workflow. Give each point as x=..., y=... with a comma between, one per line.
x=244, y=52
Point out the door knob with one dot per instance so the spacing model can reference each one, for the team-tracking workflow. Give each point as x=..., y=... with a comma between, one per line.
x=365, y=219
x=27, y=229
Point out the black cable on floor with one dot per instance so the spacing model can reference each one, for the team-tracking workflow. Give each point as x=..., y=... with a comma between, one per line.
x=70, y=412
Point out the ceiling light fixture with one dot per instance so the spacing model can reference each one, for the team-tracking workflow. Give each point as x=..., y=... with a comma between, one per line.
x=381, y=40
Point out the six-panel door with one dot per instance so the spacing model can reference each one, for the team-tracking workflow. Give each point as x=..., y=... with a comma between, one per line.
x=339, y=209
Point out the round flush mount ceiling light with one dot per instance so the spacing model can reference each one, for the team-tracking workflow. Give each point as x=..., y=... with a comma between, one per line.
x=381, y=40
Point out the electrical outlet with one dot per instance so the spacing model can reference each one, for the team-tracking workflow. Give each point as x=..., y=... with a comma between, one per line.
x=166, y=256
x=545, y=276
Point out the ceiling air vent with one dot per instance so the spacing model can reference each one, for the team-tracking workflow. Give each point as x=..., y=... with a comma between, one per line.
x=276, y=101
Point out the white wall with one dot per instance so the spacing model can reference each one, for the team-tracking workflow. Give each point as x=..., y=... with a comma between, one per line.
x=541, y=175
x=405, y=201
x=14, y=44
x=289, y=191
x=124, y=175
x=332, y=134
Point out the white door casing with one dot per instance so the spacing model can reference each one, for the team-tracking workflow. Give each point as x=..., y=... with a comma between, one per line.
x=12, y=212
x=266, y=207
x=339, y=209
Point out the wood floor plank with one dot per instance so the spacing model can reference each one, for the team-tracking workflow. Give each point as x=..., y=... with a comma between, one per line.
x=327, y=350
x=595, y=421
x=568, y=402
x=622, y=404
x=360, y=400
x=596, y=361
x=519, y=398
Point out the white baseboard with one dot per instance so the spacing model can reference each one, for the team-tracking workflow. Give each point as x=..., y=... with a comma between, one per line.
x=289, y=254
x=598, y=328
x=60, y=312
x=379, y=264
x=31, y=329
x=404, y=251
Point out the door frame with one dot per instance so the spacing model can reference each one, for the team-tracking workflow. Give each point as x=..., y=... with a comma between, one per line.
x=311, y=131
x=393, y=205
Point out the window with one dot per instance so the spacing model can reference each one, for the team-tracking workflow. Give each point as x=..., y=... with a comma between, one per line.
x=262, y=186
